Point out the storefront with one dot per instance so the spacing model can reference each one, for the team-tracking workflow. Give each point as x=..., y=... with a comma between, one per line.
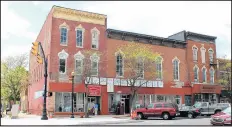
x=206, y=93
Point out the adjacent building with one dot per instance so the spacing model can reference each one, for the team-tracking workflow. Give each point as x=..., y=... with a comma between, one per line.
x=187, y=63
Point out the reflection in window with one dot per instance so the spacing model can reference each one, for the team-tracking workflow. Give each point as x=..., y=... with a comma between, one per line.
x=62, y=65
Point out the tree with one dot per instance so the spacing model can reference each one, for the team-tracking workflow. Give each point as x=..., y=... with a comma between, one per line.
x=139, y=62
x=87, y=64
x=225, y=74
x=14, y=77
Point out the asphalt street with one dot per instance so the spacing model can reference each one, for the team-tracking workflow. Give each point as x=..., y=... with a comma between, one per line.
x=201, y=120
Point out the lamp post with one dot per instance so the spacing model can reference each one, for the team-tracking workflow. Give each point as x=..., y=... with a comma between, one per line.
x=72, y=115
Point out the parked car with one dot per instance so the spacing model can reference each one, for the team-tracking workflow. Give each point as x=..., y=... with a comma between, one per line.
x=164, y=110
x=222, y=118
x=206, y=108
x=189, y=111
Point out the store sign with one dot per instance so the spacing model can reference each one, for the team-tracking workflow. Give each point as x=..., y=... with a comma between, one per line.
x=123, y=82
x=208, y=89
x=94, y=90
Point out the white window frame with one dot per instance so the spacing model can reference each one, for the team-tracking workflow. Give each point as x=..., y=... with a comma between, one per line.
x=79, y=27
x=123, y=56
x=63, y=55
x=196, y=67
x=205, y=74
x=98, y=35
x=64, y=25
x=203, y=50
x=195, y=49
x=211, y=70
x=209, y=51
x=174, y=59
x=161, y=64
x=95, y=58
x=79, y=57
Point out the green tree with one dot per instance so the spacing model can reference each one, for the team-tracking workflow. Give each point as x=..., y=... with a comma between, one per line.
x=14, y=77
x=225, y=74
x=139, y=63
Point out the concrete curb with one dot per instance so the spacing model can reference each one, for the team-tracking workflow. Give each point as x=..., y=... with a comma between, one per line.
x=110, y=122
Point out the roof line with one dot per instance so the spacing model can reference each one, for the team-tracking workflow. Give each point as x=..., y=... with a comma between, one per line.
x=144, y=35
x=78, y=10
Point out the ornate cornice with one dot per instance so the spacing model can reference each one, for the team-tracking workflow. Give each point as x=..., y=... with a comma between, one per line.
x=76, y=15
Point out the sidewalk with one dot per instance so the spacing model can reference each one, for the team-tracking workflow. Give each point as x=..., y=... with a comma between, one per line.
x=36, y=120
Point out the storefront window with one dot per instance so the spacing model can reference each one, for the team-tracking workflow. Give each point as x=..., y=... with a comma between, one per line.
x=113, y=100
x=63, y=102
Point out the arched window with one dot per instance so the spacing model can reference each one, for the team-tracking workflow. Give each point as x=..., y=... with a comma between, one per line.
x=95, y=38
x=94, y=64
x=64, y=34
x=159, y=74
x=79, y=63
x=195, y=49
x=176, y=70
x=211, y=71
x=203, y=53
x=204, y=76
x=196, y=77
x=79, y=36
x=62, y=61
x=140, y=69
x=210, y=55
x=119, y=65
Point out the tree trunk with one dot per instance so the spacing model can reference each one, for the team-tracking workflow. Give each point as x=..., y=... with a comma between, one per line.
x=86, y=104
x=132, y=103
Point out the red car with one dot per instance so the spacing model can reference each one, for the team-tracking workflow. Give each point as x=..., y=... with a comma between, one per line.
x=163, y=110
x=222, y=118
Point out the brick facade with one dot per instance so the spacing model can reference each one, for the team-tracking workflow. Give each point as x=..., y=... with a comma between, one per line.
x=50, y=37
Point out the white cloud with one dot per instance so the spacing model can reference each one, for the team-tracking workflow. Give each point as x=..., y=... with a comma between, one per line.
x=13, y=24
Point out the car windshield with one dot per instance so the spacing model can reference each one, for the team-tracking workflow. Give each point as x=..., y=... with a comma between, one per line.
x=197, y=105
x=227, y=110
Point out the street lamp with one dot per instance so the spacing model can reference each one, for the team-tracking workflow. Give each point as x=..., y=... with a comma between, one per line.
x=72, y=74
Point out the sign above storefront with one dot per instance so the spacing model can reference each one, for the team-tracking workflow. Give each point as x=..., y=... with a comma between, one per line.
x=111, y=82
x=208, y=89
x=94, y=90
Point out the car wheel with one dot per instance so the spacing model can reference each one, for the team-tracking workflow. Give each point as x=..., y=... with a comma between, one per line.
x=140, y=116
x=190, y=115
x=166, y=116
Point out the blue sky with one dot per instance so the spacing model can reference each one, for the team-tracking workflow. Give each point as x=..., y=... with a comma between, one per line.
x=22, y=21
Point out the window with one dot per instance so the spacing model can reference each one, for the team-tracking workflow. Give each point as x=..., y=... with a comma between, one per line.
x=94, y=68
x=176, y=69
x=63, y=36
x=210, y=55
x=168, y=105
x=140, y=69
x=95, y=38
x=159, y=68
x=150, y=106
x=211, y=75
x=196, y=73
x=94, y=64
x=79, y=66
x=79, y=38
x=158, y=105
x=204, y=79
x=195, y=49
x=203, y=54
x=79, y=62
x=119, y=65
x=62, y=66
x=62, y=61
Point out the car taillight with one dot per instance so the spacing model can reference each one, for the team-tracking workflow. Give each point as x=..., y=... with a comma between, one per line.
x=197, y=110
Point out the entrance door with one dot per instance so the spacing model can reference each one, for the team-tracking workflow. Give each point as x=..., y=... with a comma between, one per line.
x=91, y=101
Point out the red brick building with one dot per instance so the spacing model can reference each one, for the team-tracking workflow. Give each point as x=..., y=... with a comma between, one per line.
x=66, y=32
